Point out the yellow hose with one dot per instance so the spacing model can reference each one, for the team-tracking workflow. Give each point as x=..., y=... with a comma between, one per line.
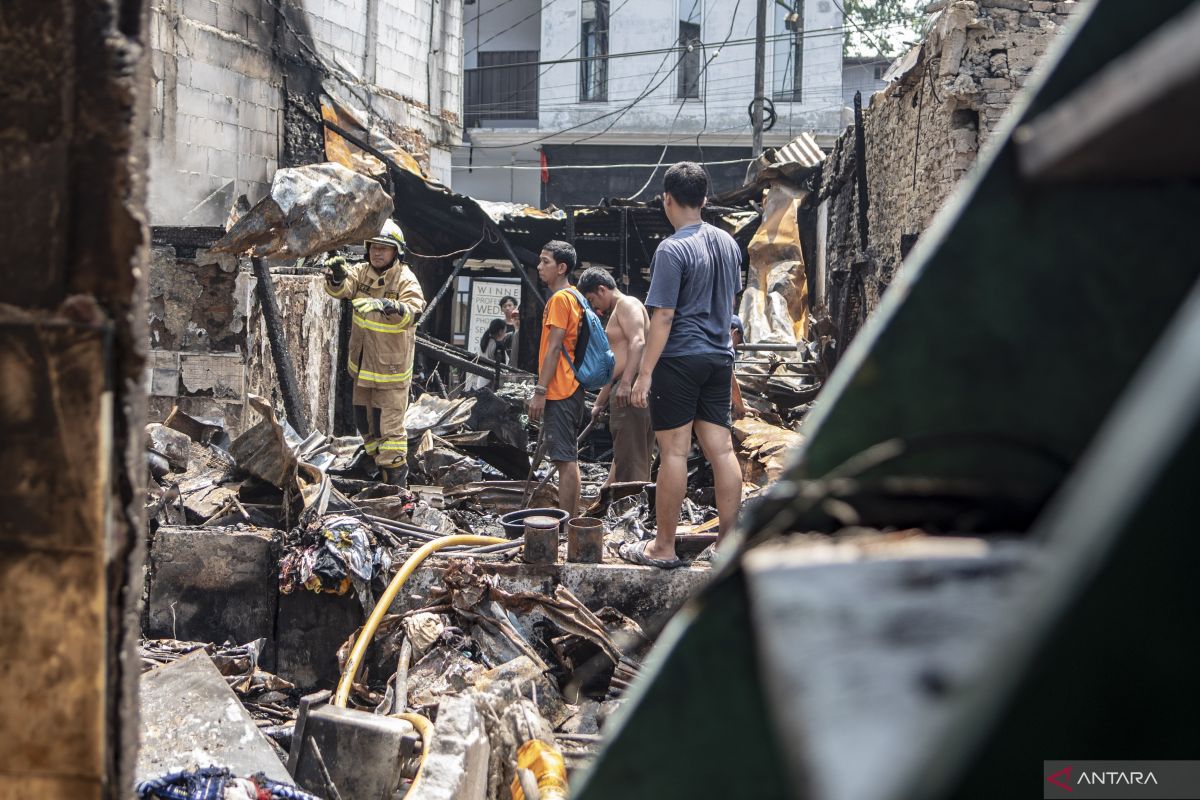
x=548, y=768
x=385, y=602
x=425, y=728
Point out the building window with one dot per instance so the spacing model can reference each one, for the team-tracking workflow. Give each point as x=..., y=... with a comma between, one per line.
x=593, y=68
x=789, y=51
x=690, y=50
x=505, y=86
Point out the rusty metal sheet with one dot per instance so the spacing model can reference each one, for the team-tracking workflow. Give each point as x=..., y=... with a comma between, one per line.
x=774, y=306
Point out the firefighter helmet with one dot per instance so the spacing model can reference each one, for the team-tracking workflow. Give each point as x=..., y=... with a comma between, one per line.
x=390, y=235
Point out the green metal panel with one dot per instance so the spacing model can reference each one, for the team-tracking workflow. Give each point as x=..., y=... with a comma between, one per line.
x=1020, y=317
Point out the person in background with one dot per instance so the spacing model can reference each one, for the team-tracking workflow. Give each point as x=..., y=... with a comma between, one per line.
x=558, y=396
x=686, y=376
x=633, y=436
x=491, y=347
x=512, y=322
x=387, y=300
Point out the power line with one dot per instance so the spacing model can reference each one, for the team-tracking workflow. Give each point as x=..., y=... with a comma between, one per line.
x=573, y=83
x=623, y=109
x=496, y=7
x=521, y=21
x=818, y=33
x=646, y=91
x=560, y=59
x=717, y=89
x=531, y=167
x=663, y=154
x=566, y=103
x=878, y=45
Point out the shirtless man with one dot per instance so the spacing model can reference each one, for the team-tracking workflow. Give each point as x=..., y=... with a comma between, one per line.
x=633, y=435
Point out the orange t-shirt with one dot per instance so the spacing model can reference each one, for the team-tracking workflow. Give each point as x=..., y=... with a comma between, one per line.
x=562, y=311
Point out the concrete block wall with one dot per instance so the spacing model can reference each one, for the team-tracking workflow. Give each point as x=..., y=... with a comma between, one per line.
x=218, y=100
x=217, y=104
x=923, y=133
x=208, y=343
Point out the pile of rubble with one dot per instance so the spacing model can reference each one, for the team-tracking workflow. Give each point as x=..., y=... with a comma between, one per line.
x=491, y=660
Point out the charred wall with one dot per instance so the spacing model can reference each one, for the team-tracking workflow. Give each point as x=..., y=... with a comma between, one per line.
x=73, y=114
x=208, y=343
x=922, y=134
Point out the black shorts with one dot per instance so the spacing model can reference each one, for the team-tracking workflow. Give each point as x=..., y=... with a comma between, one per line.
x=687, y=388
x=560, y=426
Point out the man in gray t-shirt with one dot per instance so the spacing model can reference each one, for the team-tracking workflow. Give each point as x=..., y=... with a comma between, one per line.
x=696, y=271
x=687, y=366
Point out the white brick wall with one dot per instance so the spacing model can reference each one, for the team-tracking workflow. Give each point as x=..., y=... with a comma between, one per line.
x=218, y=122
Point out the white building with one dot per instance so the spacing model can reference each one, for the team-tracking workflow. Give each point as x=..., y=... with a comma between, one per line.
x=595, y=82
x=863, y=74
x=239, y=84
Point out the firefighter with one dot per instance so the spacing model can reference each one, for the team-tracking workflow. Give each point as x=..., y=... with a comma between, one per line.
x=386, y=300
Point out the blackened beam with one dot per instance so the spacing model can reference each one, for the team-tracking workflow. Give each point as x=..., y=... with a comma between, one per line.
x=437, y=298
x=284, y=371
x=512, y=256
x=479, y=366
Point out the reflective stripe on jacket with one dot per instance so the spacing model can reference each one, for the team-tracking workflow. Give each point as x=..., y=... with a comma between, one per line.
x=381, y=345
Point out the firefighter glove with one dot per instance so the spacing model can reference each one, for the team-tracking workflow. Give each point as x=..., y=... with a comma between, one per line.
x=335, y=269
x=365, y=305
x=394, y=307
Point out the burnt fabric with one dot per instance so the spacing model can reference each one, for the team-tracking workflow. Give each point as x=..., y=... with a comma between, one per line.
x=216, y=783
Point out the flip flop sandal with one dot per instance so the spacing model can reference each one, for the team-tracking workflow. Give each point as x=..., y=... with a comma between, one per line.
x=636, y=554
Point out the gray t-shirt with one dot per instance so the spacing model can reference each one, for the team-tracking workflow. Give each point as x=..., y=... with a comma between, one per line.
x=697, y=271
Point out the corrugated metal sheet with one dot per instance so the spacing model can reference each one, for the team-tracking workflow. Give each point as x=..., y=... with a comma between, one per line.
x=802, y=150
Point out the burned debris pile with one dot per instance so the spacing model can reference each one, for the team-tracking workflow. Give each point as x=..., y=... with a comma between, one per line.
x=523, y=655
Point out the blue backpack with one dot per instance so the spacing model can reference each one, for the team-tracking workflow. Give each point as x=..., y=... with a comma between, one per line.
x=594, y=362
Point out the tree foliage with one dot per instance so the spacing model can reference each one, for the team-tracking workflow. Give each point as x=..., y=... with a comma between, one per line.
x=880, y=27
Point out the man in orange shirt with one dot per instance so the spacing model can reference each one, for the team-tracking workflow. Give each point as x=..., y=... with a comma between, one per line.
x=558, y=396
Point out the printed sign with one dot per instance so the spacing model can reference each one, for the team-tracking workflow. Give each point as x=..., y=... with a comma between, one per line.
x=486, y=294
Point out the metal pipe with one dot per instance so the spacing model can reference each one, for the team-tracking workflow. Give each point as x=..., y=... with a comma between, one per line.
x=765, y=347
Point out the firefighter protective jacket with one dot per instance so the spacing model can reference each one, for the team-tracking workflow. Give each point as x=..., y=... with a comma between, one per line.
x=381, y=345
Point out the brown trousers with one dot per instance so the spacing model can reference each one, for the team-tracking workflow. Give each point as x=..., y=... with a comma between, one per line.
x=633, y=444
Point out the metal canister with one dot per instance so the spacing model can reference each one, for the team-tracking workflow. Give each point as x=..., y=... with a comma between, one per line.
x=585, y=540
x=541, y=540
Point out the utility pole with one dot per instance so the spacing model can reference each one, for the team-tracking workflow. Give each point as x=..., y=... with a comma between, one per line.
x=760, y=65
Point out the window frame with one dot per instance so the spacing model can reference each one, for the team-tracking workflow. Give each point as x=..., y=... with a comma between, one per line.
x=793, y=58
x=697, y=54
x=593, y=69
